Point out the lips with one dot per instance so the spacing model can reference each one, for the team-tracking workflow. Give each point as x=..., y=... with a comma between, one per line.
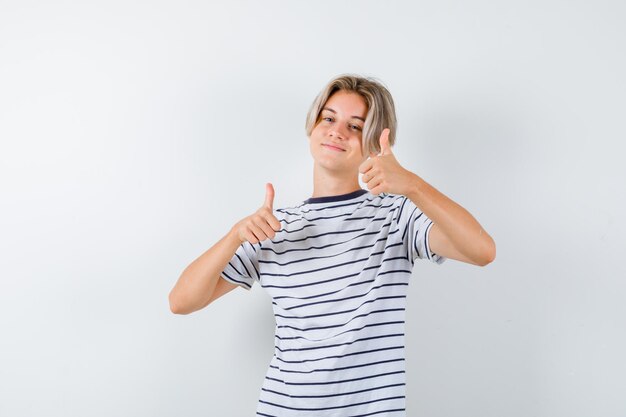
x=333, y=147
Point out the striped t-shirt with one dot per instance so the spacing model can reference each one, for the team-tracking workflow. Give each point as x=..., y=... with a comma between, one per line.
x=337, y=272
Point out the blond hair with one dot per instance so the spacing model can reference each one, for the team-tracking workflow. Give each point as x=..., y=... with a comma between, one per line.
x=381, y=112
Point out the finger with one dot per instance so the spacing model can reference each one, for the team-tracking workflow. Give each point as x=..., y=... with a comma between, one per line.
x=375, y=188
x=273, y=222
x=385, y=149
x=269, y=196
x=366, y=166
x=257, y=231
x=264, y=225
x=373, y=183
x=249, y=236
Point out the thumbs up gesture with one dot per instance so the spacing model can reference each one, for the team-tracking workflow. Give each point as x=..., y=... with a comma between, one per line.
x=262, y=224
x=383, y=173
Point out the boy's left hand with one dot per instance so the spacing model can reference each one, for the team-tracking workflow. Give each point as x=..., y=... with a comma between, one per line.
x=383, y=173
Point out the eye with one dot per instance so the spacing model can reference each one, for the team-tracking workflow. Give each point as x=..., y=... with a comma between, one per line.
x=355, y=127
x=327, y=118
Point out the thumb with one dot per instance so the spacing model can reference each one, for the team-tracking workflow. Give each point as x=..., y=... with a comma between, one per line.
x=269, y=196
x=385, y=149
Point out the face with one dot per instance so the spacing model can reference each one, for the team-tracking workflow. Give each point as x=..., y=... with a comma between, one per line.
x=336, y=140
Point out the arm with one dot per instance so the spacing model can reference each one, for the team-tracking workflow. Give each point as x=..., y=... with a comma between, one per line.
x=455, y=233
x=200, y=282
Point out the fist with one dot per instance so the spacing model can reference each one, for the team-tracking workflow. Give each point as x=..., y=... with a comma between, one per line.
x=262, y=224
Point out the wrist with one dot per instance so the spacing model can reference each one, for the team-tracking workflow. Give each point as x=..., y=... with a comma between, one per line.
x=233, y=236
x=415, y=187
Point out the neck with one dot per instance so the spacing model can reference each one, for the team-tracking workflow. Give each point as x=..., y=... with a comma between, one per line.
x=328, y=183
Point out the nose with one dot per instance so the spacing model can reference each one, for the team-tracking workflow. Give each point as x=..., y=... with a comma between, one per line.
x=337, y=132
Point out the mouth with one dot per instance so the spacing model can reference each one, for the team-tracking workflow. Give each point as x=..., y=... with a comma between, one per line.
x=333, y=147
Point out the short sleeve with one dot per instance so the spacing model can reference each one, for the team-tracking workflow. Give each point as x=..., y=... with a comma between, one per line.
x=415, y=227
x=243, y=268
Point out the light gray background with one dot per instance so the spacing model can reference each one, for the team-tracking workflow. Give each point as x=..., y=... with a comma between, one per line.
x=135, y=134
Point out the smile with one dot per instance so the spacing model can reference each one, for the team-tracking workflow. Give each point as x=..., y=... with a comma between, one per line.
x=334, y=148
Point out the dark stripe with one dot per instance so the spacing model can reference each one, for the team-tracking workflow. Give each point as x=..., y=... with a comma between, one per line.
x=351, y=330
x=332, y=408
x=328, y=217
x=244, y=265
x=297, y=230
x=404, y=200
x=236, y=280
x=328, y=245
x=426, y=241
x=337, y=382
x=333, y=266
x=340, y=232
x=341, y=344
x=336, y=278
x=354, y=284
x=414, y=240
x=378, y=412
x=341, y=356
x=325, y=256
x=365, y=218
x=334, y=300
x=247, y=273
x=303, y=209
x=331, y=198
x=334, y=395
x=356, y=415
x=337, y=369
x=340, y=325
x=409, y=222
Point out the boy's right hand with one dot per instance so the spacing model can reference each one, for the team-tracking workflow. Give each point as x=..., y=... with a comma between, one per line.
x=262, y=224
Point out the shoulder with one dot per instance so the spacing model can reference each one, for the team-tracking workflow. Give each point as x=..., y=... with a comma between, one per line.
x=290, y=213
x=392, y=201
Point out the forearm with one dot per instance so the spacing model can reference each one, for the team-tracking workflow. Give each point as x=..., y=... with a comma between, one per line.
x=459, y=226
x=197, y=282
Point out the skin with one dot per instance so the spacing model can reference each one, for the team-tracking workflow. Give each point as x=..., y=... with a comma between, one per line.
x=336, y=172
x=455, y=234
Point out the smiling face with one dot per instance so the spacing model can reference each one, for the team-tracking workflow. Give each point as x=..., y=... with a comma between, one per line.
x=336, y=139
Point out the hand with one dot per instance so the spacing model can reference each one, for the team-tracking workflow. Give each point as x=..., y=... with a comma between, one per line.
x=383, y=173
x=262, y=224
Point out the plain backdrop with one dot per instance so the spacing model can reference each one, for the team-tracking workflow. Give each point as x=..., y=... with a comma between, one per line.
x=135, y=134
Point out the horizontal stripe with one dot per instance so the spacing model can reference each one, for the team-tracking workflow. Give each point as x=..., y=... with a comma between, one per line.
x=341, y=277
x=331, y=408
x=334, y=300
x=301, y=249
x=337, y=273
x=354, y=284
x=306, y=329
x=337, y=394
x=337, y=369
x=340, y=344
x=368, y=246
x=337, y=382
x=362, y=352
x=367, y=326
x=355, y=415
x=333, y=266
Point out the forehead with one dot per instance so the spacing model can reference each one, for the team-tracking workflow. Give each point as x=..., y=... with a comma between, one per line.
x=347, y=102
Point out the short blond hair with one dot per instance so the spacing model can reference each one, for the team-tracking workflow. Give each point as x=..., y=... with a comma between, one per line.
x=381, y=111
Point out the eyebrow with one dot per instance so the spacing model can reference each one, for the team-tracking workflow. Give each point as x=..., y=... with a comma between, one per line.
x=354, y=117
